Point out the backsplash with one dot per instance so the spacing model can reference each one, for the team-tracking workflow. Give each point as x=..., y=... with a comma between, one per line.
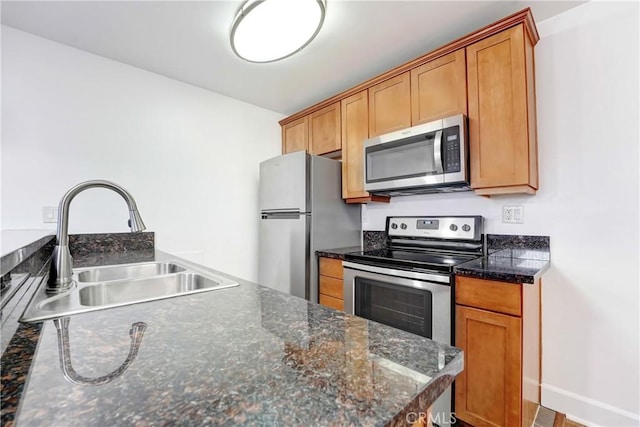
x=521, y=247
x=496, y=242
x=83, y=244
x=112, y=248
x=373, y=240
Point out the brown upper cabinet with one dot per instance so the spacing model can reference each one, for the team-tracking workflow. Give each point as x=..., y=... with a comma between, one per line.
x=487, y=75
x=439, y=88
x=431, y=91
x=295, y=135
x=355, y=129
x=318, y=132
x=390, y=105
x=324, y=130
x=502, y=116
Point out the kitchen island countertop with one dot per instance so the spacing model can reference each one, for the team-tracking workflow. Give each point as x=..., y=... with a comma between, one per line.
x=244, y=355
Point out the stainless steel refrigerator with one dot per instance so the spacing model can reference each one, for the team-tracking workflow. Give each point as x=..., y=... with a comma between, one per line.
x=302, y=211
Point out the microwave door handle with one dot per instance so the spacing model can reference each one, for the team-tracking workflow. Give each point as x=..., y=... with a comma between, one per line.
x=437, y=152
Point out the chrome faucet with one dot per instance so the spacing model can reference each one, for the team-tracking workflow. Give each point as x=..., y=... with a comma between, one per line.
x=61, y=262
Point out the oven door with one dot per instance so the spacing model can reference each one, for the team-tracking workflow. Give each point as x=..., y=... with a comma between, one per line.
x=419, y=303
x=405, y=300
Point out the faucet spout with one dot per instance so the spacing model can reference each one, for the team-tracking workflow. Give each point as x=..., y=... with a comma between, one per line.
x=61, y=267
x=135, y=221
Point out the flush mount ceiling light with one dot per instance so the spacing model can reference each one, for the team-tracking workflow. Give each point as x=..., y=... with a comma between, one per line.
x=269, y=30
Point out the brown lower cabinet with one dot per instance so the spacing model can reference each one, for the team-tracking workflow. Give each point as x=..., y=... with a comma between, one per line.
x=331, y=288
x=498, y=328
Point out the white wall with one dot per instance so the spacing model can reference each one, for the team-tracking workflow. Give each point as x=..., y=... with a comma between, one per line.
x=189, y=156
x=587, y=103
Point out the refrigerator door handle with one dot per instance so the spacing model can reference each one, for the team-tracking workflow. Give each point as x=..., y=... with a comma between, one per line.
x=281, y=215
x=279, y=211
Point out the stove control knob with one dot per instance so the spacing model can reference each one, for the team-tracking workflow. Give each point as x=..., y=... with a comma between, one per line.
x=466, y=227
x=453, y=227
x=394, y=225
x=403, y=226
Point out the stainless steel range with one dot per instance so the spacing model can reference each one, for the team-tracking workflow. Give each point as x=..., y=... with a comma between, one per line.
x=410, y=284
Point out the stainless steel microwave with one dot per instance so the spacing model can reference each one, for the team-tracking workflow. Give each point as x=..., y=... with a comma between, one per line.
x=428, y=158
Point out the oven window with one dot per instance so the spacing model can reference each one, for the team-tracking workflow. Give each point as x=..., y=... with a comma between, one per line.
x=404, y=308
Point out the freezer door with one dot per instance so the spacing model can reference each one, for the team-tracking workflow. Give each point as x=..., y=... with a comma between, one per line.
x=284, y=183
x=283, y=262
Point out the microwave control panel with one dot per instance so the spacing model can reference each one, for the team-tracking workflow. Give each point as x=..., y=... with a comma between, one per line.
x=451, y=143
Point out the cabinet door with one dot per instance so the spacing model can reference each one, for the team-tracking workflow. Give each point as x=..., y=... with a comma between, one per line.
x=390, y=105
x=332, y=302
x=324, y=130
x=499, y=147
x=331, y=267
x=355, y=129
x=488, y=389
x=295, y=135
x=332, y=287
x=439, y=88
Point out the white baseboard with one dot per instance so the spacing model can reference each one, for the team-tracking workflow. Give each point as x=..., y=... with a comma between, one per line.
x=587, y=411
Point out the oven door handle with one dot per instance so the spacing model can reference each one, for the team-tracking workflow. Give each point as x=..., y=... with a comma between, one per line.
x=439, y=278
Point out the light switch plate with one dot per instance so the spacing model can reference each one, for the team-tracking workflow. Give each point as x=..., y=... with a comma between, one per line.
x=513, y=214
x=49, y=214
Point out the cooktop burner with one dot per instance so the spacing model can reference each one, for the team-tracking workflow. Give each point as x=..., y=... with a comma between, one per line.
x=419, y=259
x=431, y=243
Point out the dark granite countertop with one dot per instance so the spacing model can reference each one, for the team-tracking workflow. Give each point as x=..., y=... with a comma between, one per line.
x=245, y=355
x=508, y=265
x=18, y=245
x=337, y=253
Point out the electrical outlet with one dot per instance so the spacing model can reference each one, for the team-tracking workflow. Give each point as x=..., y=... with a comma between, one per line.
x=49, y=214
x=513, y=214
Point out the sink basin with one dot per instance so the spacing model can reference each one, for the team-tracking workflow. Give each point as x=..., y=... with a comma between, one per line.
x=114, y=286
x=120, y=272
x=145, y=289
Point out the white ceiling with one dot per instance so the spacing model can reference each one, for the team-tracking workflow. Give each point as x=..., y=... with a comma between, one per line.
x=189, y=41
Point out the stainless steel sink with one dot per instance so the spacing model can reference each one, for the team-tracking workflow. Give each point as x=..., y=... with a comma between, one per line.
x=145, y=289
x=120, y=272
x=122, y=285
